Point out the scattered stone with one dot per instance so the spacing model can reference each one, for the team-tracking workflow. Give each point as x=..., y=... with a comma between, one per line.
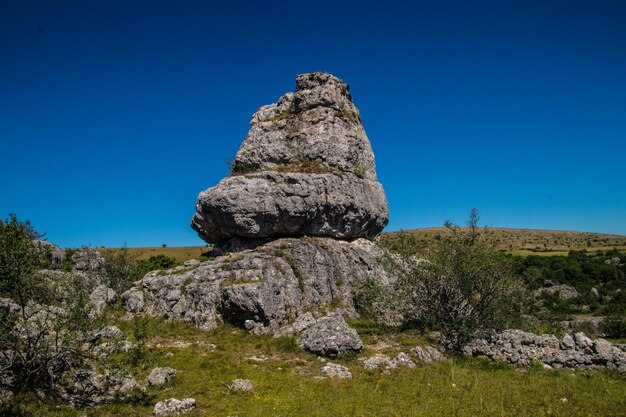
x=330, y=336
x=377, y=361
x=160, y=376
x=174, y=406
x=402, y=360
x=428, y=354
x=333, y=370
x=241, y=385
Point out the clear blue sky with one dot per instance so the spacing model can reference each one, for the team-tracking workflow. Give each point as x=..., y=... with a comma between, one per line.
x=114, y=115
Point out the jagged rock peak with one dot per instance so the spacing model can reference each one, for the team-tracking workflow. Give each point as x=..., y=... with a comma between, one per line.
x=306, y=167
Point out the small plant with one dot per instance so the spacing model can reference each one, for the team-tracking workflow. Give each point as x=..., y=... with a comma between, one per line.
x=358, y=169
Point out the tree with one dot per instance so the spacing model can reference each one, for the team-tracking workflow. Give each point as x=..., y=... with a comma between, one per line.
x=462, y=287
x=19, y=258
x=43, y=321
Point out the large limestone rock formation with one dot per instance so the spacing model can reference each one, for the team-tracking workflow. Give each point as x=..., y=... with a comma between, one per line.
x=305, y=168
x=289, y=223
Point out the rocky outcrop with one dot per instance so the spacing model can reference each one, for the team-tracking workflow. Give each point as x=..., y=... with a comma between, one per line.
x=261, y=289
x=305, y=168
x=573, y=351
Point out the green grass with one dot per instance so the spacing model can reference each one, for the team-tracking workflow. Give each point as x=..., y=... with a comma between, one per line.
x=285, y=385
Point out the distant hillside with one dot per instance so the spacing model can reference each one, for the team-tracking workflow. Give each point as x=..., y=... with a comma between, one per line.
x=524, y=241
x=517, y=241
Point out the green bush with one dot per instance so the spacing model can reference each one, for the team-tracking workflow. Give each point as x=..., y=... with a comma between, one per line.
x=615, y=328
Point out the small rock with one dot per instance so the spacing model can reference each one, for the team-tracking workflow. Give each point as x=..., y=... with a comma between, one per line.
x=377, y=361
x=402, y=360
x=174, y=406
x=329, y=336
x=241, y=385
x=428, y=354
x=298, y=326
x=101, y=297
x=133, y=300
x=191, y=263
x=333, y=370
x=582, y=341
x=568, y=342
x=160, y=376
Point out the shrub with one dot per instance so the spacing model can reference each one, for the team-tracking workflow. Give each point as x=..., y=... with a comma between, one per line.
x=615, y=328
x=156, y=262
x=464, y=287
x=461, y=287
x=119, y=269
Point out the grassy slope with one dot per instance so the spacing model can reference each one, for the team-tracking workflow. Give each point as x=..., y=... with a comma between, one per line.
x=285, y=385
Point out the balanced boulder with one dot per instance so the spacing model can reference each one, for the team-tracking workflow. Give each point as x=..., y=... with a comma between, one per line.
x=305, y=168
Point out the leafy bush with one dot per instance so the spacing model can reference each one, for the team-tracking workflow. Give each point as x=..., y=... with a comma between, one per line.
x=615, y=328
x=156, y=262
x=464, y=287
x=119, y=268
x=461, y=287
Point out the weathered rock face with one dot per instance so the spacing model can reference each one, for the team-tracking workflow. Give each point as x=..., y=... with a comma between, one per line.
x=261, y=289
x=305, y=168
